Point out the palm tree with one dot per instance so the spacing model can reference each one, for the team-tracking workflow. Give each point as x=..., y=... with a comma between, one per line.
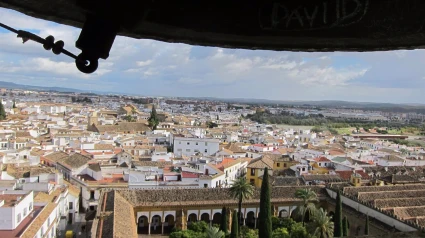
x=323, y=224
x=214, y=232
x=308, y=198
x=241, y=190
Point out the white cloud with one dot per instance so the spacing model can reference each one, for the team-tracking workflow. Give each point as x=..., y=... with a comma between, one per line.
x=327, y=76
x=144, y=63
x=150, y=72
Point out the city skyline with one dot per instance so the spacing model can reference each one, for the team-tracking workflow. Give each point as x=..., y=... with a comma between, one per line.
x=153, y=68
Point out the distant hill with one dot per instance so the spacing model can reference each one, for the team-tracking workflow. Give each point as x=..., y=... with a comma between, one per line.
x=393, y=107
x=10, y=85
x=412, y=107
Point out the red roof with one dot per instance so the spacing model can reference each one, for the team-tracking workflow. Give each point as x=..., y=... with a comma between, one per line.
x=189, y=175
x=345, y=175
x=224, y=162
x=322, y=159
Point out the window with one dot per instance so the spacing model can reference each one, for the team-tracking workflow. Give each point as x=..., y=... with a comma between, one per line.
x=25, y=212
x=42, y=231
x=48, y=222
x=70, y=205
x=91, y=194
x=206, y=151
x=320, y=164
x=188, y=143
x=187, y=150
x=18, y=218
x=253, y=172
x=30, y=207
x=284, y=165
x=205, y=185
x=252, y=181
x=196, y=143
x=179, y=149
x=278, y=164
x=206, y=143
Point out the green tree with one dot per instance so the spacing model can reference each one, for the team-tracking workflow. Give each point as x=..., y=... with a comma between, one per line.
x=211, y=124
x=241, y=190
x=223, y=223
x=265, y=217
x=235, y=226
x=129, y=118
x=286, y=223
x=2, y=111
x=200, y=226
x=308, y=197
x=338, y=216
x=298, y=231
x=153, y=119
x=245, y=232
x=280, y=233
x=345, y=226
x=14, y=104
x=187, y=234
x=366, y=227
x=214, y=232
x=322, y=224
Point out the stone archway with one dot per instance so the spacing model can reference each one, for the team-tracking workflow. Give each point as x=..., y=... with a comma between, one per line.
x=156, y=225
x=250, y=219
x=192, y=218
x=205, y=217
x=216, y=218
x=143, y=225
x=283, y=213
x=169, y=223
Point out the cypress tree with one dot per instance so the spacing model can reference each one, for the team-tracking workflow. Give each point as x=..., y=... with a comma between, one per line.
x=14, y=104
x=265, y=217
x=345, y=226
x=338, y=216
x=223, y=224
x=235, y=225
x=2, y=111
x=153, y=119
x=366, y=227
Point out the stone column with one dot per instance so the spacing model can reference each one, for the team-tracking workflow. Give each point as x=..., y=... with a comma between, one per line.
x=181, y=219
x=149, y=228
x=255, y=223
x=162, y=231
x=275, y=211
x=229, y=213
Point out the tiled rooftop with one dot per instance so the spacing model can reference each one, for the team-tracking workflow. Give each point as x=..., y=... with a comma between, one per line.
x=204, y=196
x=36, y=224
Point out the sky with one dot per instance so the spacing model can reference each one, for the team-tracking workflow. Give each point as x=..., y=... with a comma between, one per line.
x=153, y=68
